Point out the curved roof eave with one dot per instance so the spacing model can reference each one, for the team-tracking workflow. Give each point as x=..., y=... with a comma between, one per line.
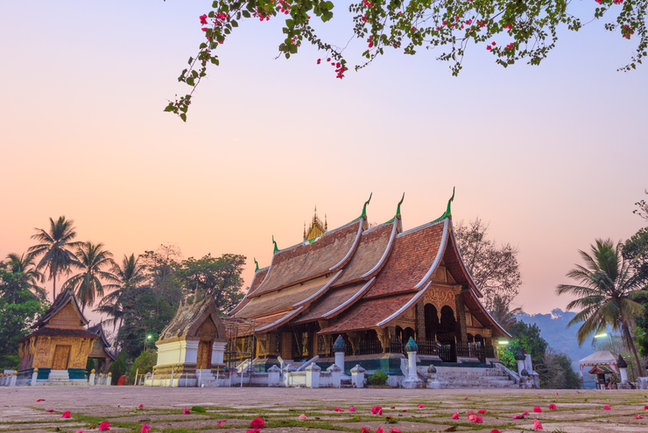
x=435, y=264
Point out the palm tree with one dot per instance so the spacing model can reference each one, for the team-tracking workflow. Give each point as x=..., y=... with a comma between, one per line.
x=26, y=276
x=129, y=276
x=91, y=261
x=607, y=294
x=55, y=246
x=502, y=314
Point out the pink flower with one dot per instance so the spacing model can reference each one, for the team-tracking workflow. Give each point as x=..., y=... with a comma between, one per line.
x=552, y=407
x=606, y=407
x=319, y=61
x=380, y=430
x=145, y=428
x=203, y=19
x=645, y=407
x=537, y=409
x=475, y=418
x=79, y=431
x=393, y=407
x=525, y=413
x=421, y=406
x=141, y=406
x=186, y=411
x=394, y=430
x=256, y=430
x=465, y=398
x=537, y=425
x=40, y=399
x=481, y=411
x=257, y=423
x=66, y=414
x=495, y=431
x=220, y=422
x=50, y=410
x=352, y=409
x=365, y=430
x=404, y=410
x=519, y=416
x=104, y=426
x=302, y=416
x=376, y=410
x=638, y=416
x=455, y=415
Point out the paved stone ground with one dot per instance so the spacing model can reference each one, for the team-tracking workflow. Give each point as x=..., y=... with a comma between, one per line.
x=577, y=411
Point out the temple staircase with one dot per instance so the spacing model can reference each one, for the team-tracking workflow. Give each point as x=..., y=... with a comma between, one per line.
x=473, y=377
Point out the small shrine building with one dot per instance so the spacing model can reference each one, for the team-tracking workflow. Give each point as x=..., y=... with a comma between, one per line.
x=191, y=347
x=375, y=286
x=59, y=345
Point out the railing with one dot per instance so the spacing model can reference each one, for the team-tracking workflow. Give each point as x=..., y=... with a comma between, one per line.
x=428, y=348
x=474, y=350
x=368, y=347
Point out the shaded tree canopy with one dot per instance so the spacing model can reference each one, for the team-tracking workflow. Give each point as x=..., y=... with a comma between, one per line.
x=494, y=268
x=509, y=30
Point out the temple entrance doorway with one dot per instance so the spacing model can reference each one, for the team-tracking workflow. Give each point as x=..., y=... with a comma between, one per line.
x=431, y=318
x=61, y=357
x=446, y=335
x=204, y=355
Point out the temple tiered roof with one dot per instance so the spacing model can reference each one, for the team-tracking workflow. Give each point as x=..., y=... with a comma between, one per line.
x=353, y=278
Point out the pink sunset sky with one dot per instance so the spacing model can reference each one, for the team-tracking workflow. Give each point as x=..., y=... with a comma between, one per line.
x=551, y=156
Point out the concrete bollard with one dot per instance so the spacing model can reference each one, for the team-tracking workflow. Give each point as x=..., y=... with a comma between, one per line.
x=14, y=378
x=357, y=376
x=412, y=380
x=172, y=374
x=34, y=379
x=339, y=347
x=109, y=379
x=91, y=378
x=336, y=375
x=313, y=375
x=2, y=379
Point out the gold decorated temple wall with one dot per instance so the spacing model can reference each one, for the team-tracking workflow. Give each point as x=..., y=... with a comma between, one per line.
x=55, y=352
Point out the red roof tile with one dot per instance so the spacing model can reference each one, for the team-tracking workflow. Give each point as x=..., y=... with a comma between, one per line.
x=367, y=314
x=303, y=262
x=412, y=256
x=371, y=248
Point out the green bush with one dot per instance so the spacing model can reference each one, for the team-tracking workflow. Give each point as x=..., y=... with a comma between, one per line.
x=118, y=367
x=378, y=378
x=144, y=363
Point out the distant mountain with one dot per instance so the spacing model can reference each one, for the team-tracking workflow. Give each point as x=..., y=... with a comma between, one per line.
x=561, y=338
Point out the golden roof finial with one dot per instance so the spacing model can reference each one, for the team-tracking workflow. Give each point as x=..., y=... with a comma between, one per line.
x=316, y=229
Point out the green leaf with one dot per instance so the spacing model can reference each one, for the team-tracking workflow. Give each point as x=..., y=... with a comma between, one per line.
x=183, y=116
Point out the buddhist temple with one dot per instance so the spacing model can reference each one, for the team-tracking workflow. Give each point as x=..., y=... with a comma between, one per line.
x=59, y=346
x=376, y=287
x=191, y=347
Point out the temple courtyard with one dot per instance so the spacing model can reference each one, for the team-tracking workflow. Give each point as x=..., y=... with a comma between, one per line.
x=230, y=410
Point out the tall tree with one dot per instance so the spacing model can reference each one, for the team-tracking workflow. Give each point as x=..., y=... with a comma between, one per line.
x=607, y=294
x=23, y=269
x=509, y=31
x=219, y=278
x=502, y=313
x=92, y=278
x=55, y=248
x=494, y=268
x=21, y=302
x=130, y=276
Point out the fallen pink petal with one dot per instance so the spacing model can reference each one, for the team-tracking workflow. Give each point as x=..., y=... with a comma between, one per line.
x=104, y=426
x=380, y=430
x=352, y=409
x=257, y=423
x=394, y=430
x=638, y=416
x=552, y=406
x=537, y=409
x=66, y=414
x=455, y=415
x=481, y=411
x=145, y=428
x=186, y=411
x=606, y=407
x=495, y=431
x=421, y=406
x=141, y=406
x=537, y=425
x=366, y=430
x=302, y=416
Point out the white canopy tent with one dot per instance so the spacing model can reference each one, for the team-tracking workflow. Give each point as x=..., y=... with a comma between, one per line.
x=602, y=357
